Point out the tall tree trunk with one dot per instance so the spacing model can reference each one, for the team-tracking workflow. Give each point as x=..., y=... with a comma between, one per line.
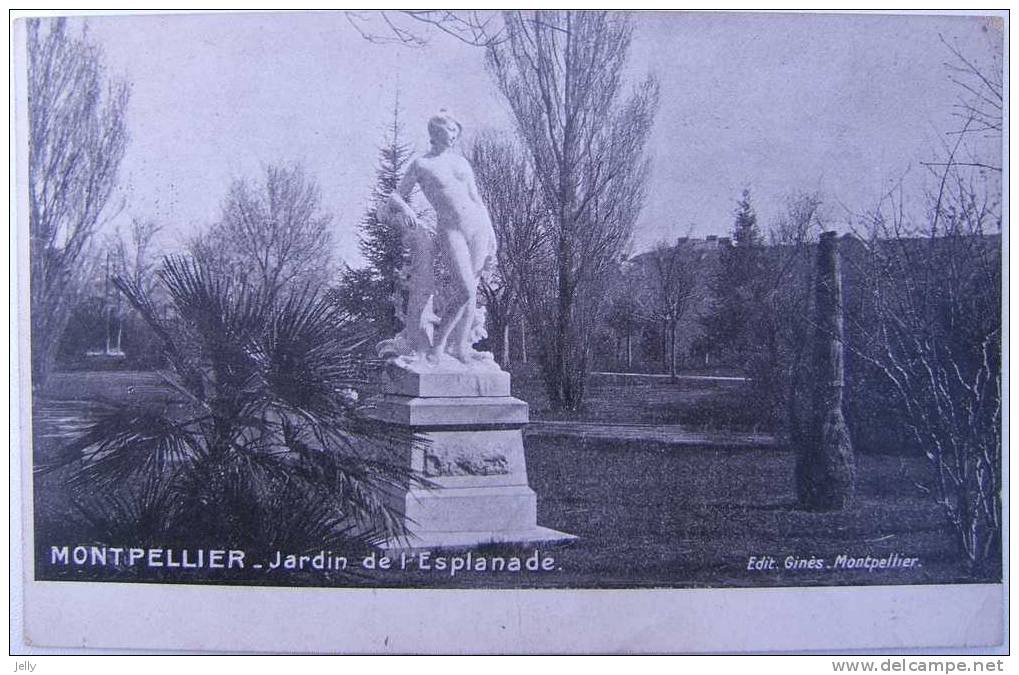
x=629, y=351
x=523, y=339
x=672, y=351
x=505, y=344
x=665, y=346
x=567, y=389
x=825, y=468
x=559, y=387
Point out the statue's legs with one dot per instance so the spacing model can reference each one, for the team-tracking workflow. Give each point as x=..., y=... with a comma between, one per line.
x=467, y=260
x=466, y=288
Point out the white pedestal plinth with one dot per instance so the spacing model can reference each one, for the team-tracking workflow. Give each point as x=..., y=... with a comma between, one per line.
x=469, y=451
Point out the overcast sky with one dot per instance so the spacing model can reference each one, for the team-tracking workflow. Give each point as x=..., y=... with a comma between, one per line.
x=840, y=104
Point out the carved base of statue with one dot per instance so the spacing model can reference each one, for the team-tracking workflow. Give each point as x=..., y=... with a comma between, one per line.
x=471, y=454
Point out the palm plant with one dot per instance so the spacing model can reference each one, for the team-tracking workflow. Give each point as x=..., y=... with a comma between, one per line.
x=267, y=446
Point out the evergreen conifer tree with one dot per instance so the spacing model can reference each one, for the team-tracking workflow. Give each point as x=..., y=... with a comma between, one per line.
x=734, y=290
x=745, y=234
x=371, y=292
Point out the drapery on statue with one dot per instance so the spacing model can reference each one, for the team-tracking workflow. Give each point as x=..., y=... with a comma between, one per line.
x=464, y=231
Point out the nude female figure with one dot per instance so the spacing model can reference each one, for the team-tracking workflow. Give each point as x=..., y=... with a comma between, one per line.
x=464, y=230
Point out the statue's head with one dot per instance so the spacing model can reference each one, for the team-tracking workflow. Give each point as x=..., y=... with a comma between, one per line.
x=443, y=129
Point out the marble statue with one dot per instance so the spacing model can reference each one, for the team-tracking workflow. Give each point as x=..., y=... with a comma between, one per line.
x=467, y=428
x=464, y=232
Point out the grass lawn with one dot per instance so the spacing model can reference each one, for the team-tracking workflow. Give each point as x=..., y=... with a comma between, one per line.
x=645, y=514
x=698, y=404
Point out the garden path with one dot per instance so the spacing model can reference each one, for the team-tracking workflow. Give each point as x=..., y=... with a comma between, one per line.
x=672, y=434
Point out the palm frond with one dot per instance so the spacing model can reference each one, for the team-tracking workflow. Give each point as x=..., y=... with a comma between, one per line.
x=224, y=315
x=359, y=486
x=223, y=501
x=307, y=355
x=116, y=442
x=174, y=343
x=300, y=520
x=142, y=514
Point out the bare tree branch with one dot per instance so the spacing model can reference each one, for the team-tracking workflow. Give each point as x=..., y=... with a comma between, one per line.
x=410, y=27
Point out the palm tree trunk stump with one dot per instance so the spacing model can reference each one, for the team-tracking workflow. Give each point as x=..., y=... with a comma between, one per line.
x=825, y=468
x=468, y=447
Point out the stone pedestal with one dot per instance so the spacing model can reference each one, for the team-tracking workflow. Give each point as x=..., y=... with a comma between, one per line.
x=470, y=452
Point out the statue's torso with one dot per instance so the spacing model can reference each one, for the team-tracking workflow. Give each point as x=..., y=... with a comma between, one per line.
x=445, y=180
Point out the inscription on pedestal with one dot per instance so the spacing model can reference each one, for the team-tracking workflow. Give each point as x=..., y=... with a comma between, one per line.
x=465, y=465
x=473, y=453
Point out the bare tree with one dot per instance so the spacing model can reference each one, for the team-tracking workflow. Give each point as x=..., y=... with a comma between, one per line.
x=510, y=189
x=130, y=258
x=562, y=74
x=274, y=235
x=935, y=336
x=132, y=254
x=77, y=138
x=933, y=330
x=673, y=283
x=626, y=306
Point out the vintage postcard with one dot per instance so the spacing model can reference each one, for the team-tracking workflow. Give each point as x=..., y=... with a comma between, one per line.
x=522, y=331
